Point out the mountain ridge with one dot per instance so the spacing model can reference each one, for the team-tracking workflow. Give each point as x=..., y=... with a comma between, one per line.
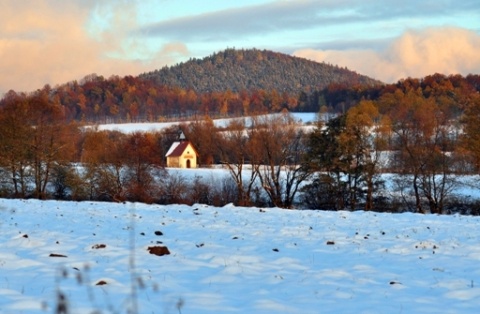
x=254, y=69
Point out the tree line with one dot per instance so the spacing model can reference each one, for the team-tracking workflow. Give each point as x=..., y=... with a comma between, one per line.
x=423, y=132
x=44, y=157
x=138, y=99
x=132, y=99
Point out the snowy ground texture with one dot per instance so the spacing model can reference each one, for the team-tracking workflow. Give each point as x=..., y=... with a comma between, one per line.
x=234, y=260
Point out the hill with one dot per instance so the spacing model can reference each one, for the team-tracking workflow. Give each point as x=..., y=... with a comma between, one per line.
x=254, y=69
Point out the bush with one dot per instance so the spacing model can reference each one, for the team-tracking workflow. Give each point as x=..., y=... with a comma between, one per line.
x=173, y=190
x=68, y=184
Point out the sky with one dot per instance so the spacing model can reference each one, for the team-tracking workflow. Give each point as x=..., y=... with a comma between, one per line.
x=57, y=41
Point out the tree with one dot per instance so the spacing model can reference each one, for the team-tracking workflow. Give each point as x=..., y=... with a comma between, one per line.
x=327, y=156
x=345, y=153
x=173, y=189
x=320, y=193
x=471, y=138
x=47, y=147
x=203, y=135
x=423, y=146
x=235, y=149
x=15, y=135
x=279, y=146
x=366, y=139
x=34, y=139
x=67, y=183
x=102, y=158
x=143, y=160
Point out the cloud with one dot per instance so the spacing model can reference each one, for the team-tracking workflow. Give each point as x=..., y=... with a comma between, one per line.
x=416, y=53
x=288, y=15
x=244, y=21
x=241, y=21
x=48, y=42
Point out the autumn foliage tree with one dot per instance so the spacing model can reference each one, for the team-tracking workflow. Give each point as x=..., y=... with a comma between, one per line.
x=345, y=153
x=471, y=137
x=34, y=139
x=15, y=136
x=48, y=146
x=102, y=158
x=204, y=136
x=423, y=146
x=364, y=138
x=144, y=161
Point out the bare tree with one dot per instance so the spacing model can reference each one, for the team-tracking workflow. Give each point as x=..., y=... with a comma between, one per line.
x=173, y=189
x=235, y=148
x=279, y=144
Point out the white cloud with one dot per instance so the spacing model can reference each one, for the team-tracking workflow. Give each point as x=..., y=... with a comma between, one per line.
x=445, y=50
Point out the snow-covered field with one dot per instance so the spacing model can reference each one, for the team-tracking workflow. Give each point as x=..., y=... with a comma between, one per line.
x=234, y=260
x=307, y=117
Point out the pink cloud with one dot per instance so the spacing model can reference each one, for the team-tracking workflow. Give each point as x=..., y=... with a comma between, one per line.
x=47, y=42
x=445, y=50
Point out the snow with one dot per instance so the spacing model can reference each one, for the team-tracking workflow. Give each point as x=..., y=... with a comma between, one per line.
x=234, y=259
x=172, y=148
x=137, y=127
x=303, y=117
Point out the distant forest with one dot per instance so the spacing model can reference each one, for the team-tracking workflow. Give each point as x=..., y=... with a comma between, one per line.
x=229, y=83
x=232, y=83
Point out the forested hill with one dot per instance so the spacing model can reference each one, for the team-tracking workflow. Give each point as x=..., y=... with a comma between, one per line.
x=261, y=82
x=254, y=69
x=228, y=83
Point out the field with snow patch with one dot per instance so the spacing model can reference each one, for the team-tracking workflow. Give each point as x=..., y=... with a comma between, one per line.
x=234, y=260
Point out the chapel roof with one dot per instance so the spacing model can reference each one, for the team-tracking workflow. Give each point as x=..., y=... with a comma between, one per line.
x=177, y=149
